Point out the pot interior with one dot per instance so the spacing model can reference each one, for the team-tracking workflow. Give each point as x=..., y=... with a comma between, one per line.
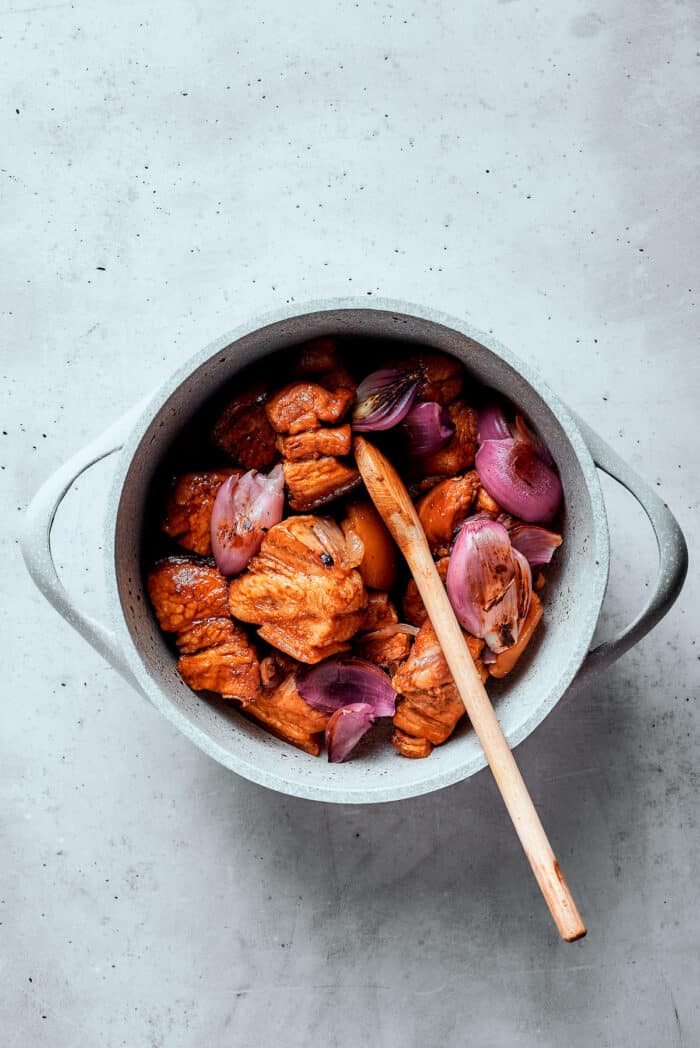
x=572, y=596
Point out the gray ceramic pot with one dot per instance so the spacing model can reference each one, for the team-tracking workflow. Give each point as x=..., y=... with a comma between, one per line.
x=133, y=644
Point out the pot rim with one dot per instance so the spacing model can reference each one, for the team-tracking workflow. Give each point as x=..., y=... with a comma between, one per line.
x=337, y=792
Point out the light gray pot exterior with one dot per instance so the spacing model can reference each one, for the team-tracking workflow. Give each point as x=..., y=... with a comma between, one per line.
x=133, y=643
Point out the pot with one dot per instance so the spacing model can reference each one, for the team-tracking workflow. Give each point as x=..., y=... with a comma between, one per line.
x=135, y=646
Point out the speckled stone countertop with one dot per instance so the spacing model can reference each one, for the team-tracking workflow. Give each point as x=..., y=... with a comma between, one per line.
x=169, y=171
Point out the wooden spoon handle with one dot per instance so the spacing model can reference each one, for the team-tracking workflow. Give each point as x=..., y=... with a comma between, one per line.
x=394, y=505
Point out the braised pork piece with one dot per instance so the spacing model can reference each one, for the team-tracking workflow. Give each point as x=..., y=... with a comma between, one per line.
x=312, y=625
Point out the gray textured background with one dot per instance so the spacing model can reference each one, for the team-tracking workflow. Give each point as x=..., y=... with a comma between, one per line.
x=533, y=170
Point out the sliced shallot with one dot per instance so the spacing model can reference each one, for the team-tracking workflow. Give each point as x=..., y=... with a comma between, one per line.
x=338, y=682
x=516, y=474
x=384, y=399
x=345, y=729
x=428, y=427
x=489, y=583
x=492, y=424
x=535, y=543
x=243, y=510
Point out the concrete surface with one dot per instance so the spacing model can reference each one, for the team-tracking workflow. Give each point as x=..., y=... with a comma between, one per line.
x=170, y=169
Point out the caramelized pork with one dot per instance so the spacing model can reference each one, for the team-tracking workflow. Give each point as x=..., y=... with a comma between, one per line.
x=458, y=455
x=380, y=611
x=305, y=405
x=244, y=432
x=321, y=354
x=206, y=633
x=387, y=647
x=183, y=589
x=302, y=589
x=413, y=606
x=231, y=668
x=319, y=360
x=442, y=377
x=283, y=711
x=408, y=746
x=426, y=667
x=485, y=504
x=275, y=667
x=430, y=707
x=187, y=515
x=315, y=443
x=444, y=508
x=317, y=481
x=381, y=638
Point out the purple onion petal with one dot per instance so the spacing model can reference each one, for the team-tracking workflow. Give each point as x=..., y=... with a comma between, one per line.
x=345, y=729
x=536, y=544
x=519, y=479
x=384, y=399
x=244, y=508
x=492, y=424
x=338, y=682
x=428, y=427
x=489, y=583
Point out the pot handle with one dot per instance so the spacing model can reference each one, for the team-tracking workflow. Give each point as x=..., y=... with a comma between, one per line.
x=36, y=540
x=673, y=556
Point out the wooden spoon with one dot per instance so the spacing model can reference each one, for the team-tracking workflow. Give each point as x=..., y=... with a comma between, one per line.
x=399, y=514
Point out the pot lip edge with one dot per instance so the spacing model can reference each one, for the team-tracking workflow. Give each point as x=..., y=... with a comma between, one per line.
x=295, y=786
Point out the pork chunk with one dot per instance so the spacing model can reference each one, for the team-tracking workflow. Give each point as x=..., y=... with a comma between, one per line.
x=187, y=517
x=283, y=711
x=381, y=639
x=302, y=589
x=408, y=746
x=243, y=431
x=206, y=633
x=317, y=481
x=320, y=360
x=231, y=669
x=485, y=504
x=430, y=707
x=315, y=443
x=413, y=606
x=458, y=455
x=442, y=376
x=184, y=589
x=444, y=508
x=305, y=405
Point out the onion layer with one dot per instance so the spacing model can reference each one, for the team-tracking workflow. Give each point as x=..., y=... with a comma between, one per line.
x=536, y=544
x=384, y=399
x=489, y=583
x=244, y=508
x=345, y=729
x=492, y=424
x=516, y=474
x=428, y=427
x=338, y=682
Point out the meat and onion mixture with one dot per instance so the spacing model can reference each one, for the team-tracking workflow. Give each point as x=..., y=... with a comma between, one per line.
x=281, y=587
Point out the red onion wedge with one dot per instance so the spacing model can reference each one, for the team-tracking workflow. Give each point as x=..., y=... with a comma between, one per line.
x=536, y=544
x=428, y=428
x=338, y=682
x=489, y=583
x=243, y=510
x=516, y=474
x=492, y=424
x=345, y=729
x=384, y=399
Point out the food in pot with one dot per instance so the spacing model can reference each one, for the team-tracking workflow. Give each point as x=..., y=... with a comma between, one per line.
x=282, y=588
